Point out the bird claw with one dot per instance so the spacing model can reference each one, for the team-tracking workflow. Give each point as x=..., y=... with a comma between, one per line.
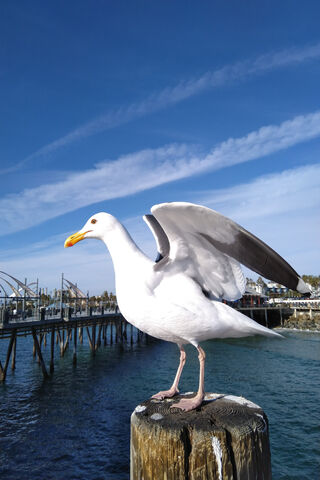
x=188, y=404
x=166, y=394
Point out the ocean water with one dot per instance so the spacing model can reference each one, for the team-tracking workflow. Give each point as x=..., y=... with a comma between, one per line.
x=76, y=425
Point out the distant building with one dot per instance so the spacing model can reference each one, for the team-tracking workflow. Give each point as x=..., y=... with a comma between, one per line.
x=276, y=290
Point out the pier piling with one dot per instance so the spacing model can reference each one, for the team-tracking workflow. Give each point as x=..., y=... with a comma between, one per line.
x=74, y=358
x=52, y=351
x=3, y=371
x=13, y=362
x=38, y=349
x=226, y=438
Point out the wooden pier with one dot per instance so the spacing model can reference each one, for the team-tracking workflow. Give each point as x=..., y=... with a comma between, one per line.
x=281, y=315
x=63, y=333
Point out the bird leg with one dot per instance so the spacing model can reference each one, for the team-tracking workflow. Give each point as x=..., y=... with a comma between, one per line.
x=187, y=404
x=174, y=388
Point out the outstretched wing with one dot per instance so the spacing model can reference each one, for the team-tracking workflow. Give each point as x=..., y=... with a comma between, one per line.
x=210, y=247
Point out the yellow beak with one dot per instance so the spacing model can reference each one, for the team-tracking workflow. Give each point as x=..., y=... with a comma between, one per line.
x=75, y=238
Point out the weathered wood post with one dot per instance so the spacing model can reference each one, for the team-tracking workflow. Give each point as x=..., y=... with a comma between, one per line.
x=226, y=438
x=52, y=351
x=38, y=349
x=3, y=370
x=89, y=338
x=125, y=336
x=40, y=344
x=81, y=335
x=62, y=343
x=93, y=337
x=66, y=343
x=98, y=344
x=111, y=333
x=105, y=334
x=13, y=361
x=74, y=358
x=117, y=332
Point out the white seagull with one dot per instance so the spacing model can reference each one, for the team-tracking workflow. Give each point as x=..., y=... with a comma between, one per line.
x=178, y=297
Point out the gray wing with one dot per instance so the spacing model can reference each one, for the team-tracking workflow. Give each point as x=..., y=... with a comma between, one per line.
x=197, y=233
x=160, y=236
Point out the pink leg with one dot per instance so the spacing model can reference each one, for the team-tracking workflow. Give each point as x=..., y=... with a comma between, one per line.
x=174, y=388
x=188, y=404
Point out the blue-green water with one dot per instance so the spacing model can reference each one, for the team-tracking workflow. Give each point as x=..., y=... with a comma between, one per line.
x=76, y=425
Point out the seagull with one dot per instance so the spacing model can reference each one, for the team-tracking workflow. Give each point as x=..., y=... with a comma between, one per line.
x=179, y=296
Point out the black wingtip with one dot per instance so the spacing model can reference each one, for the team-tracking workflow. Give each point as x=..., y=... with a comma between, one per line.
x=306, y=295
x=159, y=257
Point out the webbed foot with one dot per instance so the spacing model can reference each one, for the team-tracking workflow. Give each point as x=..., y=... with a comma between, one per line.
x=188, y=404
x=166, y=394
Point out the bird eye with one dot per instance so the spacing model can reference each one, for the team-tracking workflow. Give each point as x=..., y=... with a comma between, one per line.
x=93, y=220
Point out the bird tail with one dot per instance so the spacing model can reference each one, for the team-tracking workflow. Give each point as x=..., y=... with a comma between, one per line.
x=245, y=326
x=255, y=328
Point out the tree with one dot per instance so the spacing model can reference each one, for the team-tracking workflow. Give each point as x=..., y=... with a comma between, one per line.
x=313, y=280
x=105, y=296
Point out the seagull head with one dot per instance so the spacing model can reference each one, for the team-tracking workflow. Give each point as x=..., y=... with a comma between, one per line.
x=96, y=227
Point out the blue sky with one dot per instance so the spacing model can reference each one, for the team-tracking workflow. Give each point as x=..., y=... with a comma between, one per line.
x=117, y=106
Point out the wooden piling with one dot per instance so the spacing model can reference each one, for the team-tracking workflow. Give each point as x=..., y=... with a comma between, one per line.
x=99, y=337
x=104, y=335
x=38, y=349
x=13, y=362
x=93, y=338
x=89, y=338
x=117, y=332
x=61, y=338
x=66, y=343
x=125, y=331
x=52, y=351
x=3, y=371
x=226, y=438
x=40, y=343
x=74, y=359
x=281, y=317
x=121, y=331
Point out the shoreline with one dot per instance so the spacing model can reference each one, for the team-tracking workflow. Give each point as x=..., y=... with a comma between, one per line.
x=303, y=321
x=294, y=329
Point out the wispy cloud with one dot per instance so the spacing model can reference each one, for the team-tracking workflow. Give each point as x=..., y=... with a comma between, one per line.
x=228, y=74
x=293, y=190
x=282, y=209
x=147, y=169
